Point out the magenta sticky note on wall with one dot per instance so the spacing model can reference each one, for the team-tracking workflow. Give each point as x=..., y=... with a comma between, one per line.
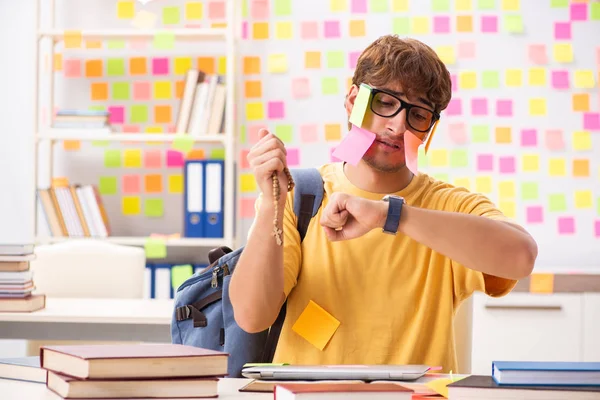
x=331, y=29
x=485, y=162
x=309, y=133
x=507, y=165
x=454, y=80
x=309, y=30
x=160, y=66
x=354, y=145
x=479, y=106
x=537, y=54
x=579, y=11
x=276, y=110
x=562, y=30
x=554, y=139
x=591, y=121
x=253, y=132
x=560, y=79
x=293, y=156
x=504, y=108
x=353, y=58
x=528, y=137
x=174, y=159
x=131, y=184
x=117, y=114
x=441, y=24
x=535, y=215
x=597, y=229
x=359, y=6
x=458, y=132
x=454, y=107
x=566, y=225
x=245, y=30
x=489, y=24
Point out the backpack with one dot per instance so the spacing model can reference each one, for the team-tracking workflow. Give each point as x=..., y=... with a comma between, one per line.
x=203, y=315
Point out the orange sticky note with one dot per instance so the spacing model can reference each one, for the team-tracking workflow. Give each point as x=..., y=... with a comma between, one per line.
x=312, y=59
x=93, y=44
x=93, y=68
x=253, y=89
x=260, y=30
x=464, y=23
x=162, y=114
x=503, y=134
x=357, y=28
x=58, y=61
x=137, y=66
x=316, y=325
x=72, y=39
x=581, y=102
x=581, y=167
x=251, y=65
x=99, y=91
x=207, y=64
x=153, y=183
x=541, y=283
x=71, y=145
x=333, y=132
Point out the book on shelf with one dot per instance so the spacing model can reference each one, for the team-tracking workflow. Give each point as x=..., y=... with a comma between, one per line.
x=23, y=369
x=16, y=281
x=320, y=391
x=81, y=119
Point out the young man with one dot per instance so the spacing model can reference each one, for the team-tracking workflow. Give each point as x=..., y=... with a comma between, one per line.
x=394, y=295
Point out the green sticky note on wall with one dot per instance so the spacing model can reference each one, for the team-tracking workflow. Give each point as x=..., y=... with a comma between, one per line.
x=284, y=132
x=283, y=8
x=329, y=85
x=490, y=79
x=243, y=135
x=559, y=3
x=335, y=59
x=486, y=4
x=480, y=134
x=529, y=191
x=116, y=44
x=155, y=248
x=120, y=90
x=217, y=154
x=108, y=185
x=440, y=5
x=153, y=207
x=183, y=143
x=179, y=274
x=459, y=158
x=115, y=67
x=170, y=15
x=244, y=8
x=558, y=202
x=139, y=114
x=595, y=12
x=379, y=6
x=164, y=41
x=112, y=158
x=401, y=26
x=361, y=105
x=513, y=23
x=100, y=143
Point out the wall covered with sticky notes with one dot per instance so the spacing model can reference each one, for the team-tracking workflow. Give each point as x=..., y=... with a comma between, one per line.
x=523, y=126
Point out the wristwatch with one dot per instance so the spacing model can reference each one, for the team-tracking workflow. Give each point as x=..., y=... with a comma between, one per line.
x=393, y=216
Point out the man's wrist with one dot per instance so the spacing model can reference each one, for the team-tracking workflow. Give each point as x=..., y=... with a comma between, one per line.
x=382, y=211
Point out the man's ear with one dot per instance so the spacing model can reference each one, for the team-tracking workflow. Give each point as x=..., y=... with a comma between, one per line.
x=350, y=98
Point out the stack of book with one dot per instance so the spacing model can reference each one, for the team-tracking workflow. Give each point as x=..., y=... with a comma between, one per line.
x=16, y=280
x=132, y=371
x=81, y=119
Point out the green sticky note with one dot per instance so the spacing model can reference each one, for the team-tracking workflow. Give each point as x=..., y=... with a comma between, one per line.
x=335, y=59
x=486, y=4
x=361, y=105
x=559, y=3
x=155, y=248
x=164, y=41
x=440, y=5
x=170, y=15
x=179, y=274
x=284, y=132
x=513, y=23
x=329, y=85
x=529, y=191
x=595, y=12
x=401, y=26
x=480, y=134
x=116, y=44
x=422, y=160
x=244, y=8
x=108, y=185
x=120, y=90
x=183, y=143
x=490, y=79
x=139, y=114
x=459, y=158
x=243, y=135
x=112, y=158
x=97, y=108
x=558, y=202
x=217, y=154
x=100, y=143
x=115, y=67
x=283, y=8
x=378, y=6
x=153, y=207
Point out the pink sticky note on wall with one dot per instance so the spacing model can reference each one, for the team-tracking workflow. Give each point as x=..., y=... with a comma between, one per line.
x=479, y=106
x=454, y=107
x=489, y=24
x=253, y=132
x=130, y=129
x=244, y=159
x=454, y=81
x=579, y=11
x=216, y=10
x=293, y=156
x=245, y=30
x=535, y=215
x=566, y=225
x=131, y=184
x=359, y=6
x=247, y=207
x=562, y=30
x=353, y=59
x=72, y=68
x=275, y=110
x=554, y=139
x=354, y=145
x=485, y=162
x=141, y=91
x=152, y=159
x=300, y=88
x=117, y=114
x=441, y=24
x=591, y=121
x=528, y=137
x=560, y=79
x=504, y=108
x=160, y=66
x=174, y=159
x=458, y=132
x=260, y=9
x=507, y=165
x=597, y=229
x=331, y=29
x=537, y=54
x=309, y=30
x=308, y=133
x=466, y=50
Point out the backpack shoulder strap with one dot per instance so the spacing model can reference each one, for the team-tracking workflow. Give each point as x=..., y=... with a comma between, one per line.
x=308, y=195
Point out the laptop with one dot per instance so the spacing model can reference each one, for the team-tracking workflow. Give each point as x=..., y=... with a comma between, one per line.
x=336, y=372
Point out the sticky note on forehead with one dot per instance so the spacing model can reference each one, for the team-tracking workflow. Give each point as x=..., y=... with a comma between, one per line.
x=361, y=105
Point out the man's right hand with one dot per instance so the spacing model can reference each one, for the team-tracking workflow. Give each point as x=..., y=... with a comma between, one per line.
x=265, y=157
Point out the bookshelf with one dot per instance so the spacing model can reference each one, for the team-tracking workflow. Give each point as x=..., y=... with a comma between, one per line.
x=48, y=35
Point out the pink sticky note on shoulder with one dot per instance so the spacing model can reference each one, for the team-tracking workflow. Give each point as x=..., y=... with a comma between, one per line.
x=354, y=146
x=411, y=151
x=174, y=159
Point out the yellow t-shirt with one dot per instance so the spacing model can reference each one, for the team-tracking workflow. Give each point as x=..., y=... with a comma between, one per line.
x=395, y=299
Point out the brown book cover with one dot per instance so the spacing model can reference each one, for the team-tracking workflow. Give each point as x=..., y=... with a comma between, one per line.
x=24, y=304
x=59, y=214
x=14, y=266
x=133, y=361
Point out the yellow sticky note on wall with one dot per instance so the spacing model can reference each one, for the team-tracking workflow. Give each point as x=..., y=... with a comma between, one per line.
x=72, y=39
x=463, y=182
x=537, y=107
x=247, y=183
x=420, y=25
x=506, y=189
x=131, y=205
x=584, y=79
x=508, y=208
x=446, y=54
x=467, y=80
x=583, y=199
x=514, y=77
x=283, y=30
x=537, y=77
x=563, y=52
x=133, y=158
x=557, y=167
x=541, y=283
x=277, y=63
x=316, y=325
x=530, y=162
x=483, y=184
x=176, y=183
x=582, y=140
x=438, y=158
x=125, y=9
x=255, y=111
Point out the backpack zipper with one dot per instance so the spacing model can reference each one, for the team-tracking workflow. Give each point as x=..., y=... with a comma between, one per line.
x=215, y=274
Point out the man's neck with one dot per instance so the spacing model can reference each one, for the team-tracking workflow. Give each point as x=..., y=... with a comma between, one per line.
x=369, y=179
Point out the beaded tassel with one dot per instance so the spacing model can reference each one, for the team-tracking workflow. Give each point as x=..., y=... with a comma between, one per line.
x=276, y=196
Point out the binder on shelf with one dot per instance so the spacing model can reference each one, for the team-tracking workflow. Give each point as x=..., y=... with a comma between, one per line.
x=149, y=281
x=213, y=198
x=162, y=281
x=193, y=175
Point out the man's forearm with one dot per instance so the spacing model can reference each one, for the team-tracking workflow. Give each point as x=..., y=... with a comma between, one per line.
x=256, y=287
x=483, y=244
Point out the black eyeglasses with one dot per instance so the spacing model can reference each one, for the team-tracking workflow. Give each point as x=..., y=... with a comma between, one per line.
x=387, y=105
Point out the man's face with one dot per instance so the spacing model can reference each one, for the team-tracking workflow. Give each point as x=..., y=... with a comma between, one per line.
x=386, y=154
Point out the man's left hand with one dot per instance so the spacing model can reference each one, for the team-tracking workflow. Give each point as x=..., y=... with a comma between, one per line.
x=348, y=217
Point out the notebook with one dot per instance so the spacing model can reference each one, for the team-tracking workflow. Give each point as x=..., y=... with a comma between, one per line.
x=336, y=372
x=546, y=373
x=23, y=369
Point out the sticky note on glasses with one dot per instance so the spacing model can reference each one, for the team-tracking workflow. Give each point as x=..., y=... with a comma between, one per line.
x=354, y=146
x=361, y=105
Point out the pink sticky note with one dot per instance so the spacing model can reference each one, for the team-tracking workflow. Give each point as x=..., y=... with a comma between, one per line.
x=591, y=121
x=562, y=30
x=454, y=81
x=454, y=107
x=411, y=151
x=528, y=137
x=579, y=12
x=479, y=106
x=560, y=79
x=245, y=30
x=309, y=30
x=160, y=66
x=174, y=159
x=141, y=90
x=554, y=139
x=458, y=132
x=309, y=133
x=504, y=108
x=131, y=184
x=537, y=54
x=333, y=158
x=260, y=9
x=535, y=214
x=152, y=159
x=244, y=159
x=353, y=59
x=216, y=10
x=275, y=110
x=117, y=114
x=138, y=44
x=359, y=6
x=441, y=24
x=354, y=145
x=566, y=225
x=72, y=68
x=253, y=132
x=489, y=24
x=331, y=29
x=597, y=230
x=247, y=208
x=466, y=50
x=485, y=162
x=300, y=88
x=293, y=156
x=507, y=165
x=130, y=129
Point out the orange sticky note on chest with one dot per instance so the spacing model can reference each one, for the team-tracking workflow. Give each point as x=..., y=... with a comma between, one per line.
x=541, y=283
x=316, y=325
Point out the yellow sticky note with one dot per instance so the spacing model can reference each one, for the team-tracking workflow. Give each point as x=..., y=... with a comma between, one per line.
x=537, y=77
x=440, y=386
x=176, y=183
x=260, y=30
x=179, y=274
x=222, y=65
x=537, y=106
x=338, y=5
x=583, y=199
x=255, y=111
x=463, y=182
x=506, y=189
x=283, y=30
x=333, y=132
x=511, y=5
x=125, y=9
x=463, y=5
x=584, y=79
x=464, y=23
x=277, y=63
x=467, y=80
x=446, y=54
x=530, y=162
x=361, y=106
x=316, y=325
x=582, y=140
x=483, y=184
x=162, y=90
x=133, y=158
x=514, y=77
x=182, y=65
x=357, y=28
x=155, y=248
x=131, y=205
x=420, y=25
x=563, y=52
x=400, y=5
x=438, y=158
x=508, y=208
x=72, y=39
x=247, y=183
x=541, y=283
x=581, y=102
x=193, y=10
x=557, y=167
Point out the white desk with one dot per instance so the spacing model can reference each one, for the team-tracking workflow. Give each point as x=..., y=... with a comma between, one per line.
x=92, y=319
